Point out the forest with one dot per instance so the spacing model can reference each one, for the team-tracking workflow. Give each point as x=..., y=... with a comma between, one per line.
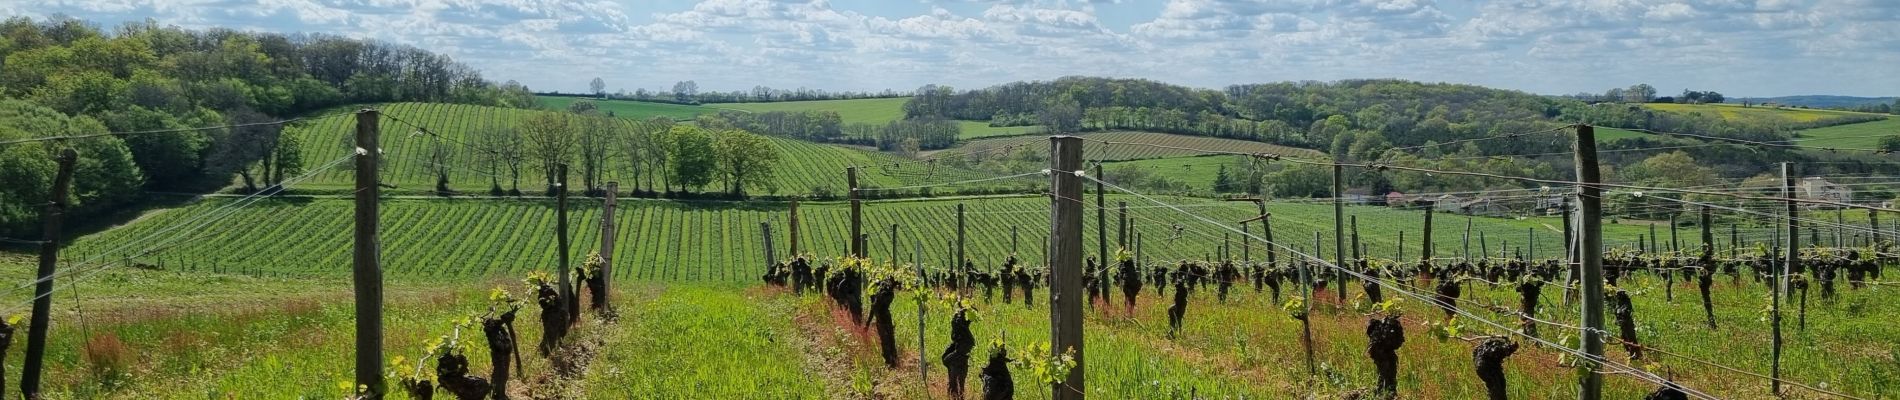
x=67, y=77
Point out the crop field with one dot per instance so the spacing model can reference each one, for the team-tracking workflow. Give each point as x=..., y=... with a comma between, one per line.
x=1736, y=111
x=1196, y=171
x=874, y=111
x=637, y=110
x=1102, y=151
x=803, y=166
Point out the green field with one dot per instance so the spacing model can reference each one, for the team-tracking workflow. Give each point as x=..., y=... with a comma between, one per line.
x=804, y=166
x=1196, y=172
x=637, y=110
x=1865, y=135
x=1133, y=147
x=873, y=111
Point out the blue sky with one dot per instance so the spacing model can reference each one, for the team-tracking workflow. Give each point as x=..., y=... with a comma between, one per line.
x=1738, y=47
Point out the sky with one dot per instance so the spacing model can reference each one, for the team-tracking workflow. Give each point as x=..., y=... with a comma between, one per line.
x=1737, y=47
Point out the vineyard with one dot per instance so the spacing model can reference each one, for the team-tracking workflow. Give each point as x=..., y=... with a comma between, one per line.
x=1140, y=146
x=804, y=165
x=714, y=241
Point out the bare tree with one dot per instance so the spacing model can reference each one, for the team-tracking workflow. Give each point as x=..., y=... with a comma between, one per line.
x=595, y=141
x=598, y=86
x=550, y=140
x=503, y=150
x=657, y=150
x=440, y=157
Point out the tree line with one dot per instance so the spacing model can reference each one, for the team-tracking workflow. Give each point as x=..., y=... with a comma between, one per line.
x=687, y=92
x=905, y=135
x=1385, y=121
x=63, y=76
x=661, y=157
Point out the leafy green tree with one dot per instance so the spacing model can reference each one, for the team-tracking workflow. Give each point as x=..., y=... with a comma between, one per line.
x=1890, y=143
x=745, y=159
x=694, y=160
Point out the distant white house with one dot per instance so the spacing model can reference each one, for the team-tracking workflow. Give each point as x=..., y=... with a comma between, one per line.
x=1448, y=203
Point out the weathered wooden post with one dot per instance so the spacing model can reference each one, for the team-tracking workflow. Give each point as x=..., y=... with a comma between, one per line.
x=1467, y=238
x=765, y=236
x=917, y=260
x=1787, y=266
x=52, y=221
x=963, y=282
x=1065, y=253
x=1570, y=256
x=1425, y=241
x=1121, y=235
x=1873, y=228
x=1339, y=229
x=1704, y=276
x=569, y=294
x=857, y=212
x=1590, y=254
x=1306, y=300
x=1101, y=230
x=607, y=247
x=791, y=228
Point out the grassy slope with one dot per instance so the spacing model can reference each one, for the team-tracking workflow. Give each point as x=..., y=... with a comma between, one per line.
x=872, y=111
x=1865, y=135
x=1734, y=111
x=638, y=110
x=804, y=165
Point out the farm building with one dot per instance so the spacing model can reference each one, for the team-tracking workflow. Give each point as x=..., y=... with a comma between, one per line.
x=1822, y=189
x=1483, y=206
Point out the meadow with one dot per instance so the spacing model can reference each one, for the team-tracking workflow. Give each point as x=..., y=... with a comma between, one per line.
x=1135, y=150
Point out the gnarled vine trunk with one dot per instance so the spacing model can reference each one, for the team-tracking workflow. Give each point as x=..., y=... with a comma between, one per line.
x=501, y=343
x=997, y=384
x=956, y=357
x=452, y=371
x=1489, y=358
x=553, y=317
x=1626, y=324
x=881, y=297
x=1386, y=335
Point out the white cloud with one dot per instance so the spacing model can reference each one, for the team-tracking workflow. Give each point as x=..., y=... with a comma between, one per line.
x=1738, y=46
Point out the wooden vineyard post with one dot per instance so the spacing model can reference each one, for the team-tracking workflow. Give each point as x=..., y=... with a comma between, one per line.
x=1467, y=238
x=1012, y=240
x=1121, y=235
x=894, y=256
x=765, y=232
x=857, y=212
x=957, y=264
x=917, y=259
x=1306, y=301
x=1781, y=279
x=52, y=221
x=1266, y=228
x=1590, y=253
x=1065, y=256
x=1101, y=232
x=1532, y=243
x=791, y=230
x=1425, y=240
x=1401, y=247
x=1708, y=272
x=367, y=271
x=607, y=247
x=568, y=293
x=1873, y=228
x=1570, y=256
x=1734, y=241
x=1339, y=229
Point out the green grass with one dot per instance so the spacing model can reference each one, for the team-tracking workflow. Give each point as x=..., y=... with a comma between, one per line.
x=1197, y=172
x=874, y=111
x=804, y=166
x=635, y=110
x=704, y=342
x=1865, y=135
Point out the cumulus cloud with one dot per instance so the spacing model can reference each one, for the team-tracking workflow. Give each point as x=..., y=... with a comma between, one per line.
x=1551, y=46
